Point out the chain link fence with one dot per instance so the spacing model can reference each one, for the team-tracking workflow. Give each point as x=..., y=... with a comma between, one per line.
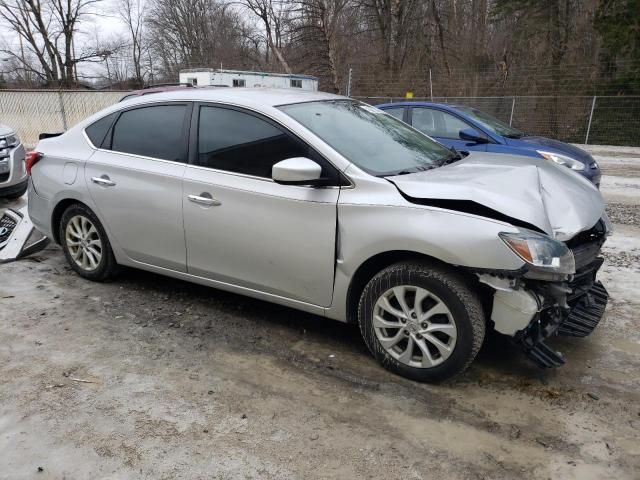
x=32, y=112
x=601, y=120
x=597, y=120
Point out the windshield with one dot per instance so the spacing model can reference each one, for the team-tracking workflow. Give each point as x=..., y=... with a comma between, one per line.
x=491, y=123
x=376, y=142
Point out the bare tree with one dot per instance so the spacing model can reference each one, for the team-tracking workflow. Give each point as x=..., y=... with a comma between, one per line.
x=195, y=33
x=316, y=28
x=273, y=19
x=132, y=13
x=47, y=28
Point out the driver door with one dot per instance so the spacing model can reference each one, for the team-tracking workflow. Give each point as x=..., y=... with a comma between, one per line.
x=244, y=229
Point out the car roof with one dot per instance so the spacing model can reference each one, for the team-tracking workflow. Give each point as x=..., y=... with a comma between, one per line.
x=445, y=106
x=240, y=96
x=156, y=89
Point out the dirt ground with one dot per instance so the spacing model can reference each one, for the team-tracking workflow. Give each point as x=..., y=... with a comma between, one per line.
x=149, y=377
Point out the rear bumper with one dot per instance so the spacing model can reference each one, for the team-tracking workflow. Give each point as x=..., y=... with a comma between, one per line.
x=6, y=191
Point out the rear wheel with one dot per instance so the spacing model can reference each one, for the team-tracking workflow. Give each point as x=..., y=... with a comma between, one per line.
x=86, y=245
x=421, y=321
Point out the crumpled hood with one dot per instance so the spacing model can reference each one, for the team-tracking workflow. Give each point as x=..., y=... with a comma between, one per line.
x=5, y=129
x=538, y=192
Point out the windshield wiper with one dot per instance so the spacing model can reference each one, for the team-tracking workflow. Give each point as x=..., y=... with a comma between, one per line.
x=515, y=135
x=454, y=156
x=408, y=171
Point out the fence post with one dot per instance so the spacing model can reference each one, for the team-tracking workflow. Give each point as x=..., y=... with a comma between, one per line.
x=430, y=85
x=62, y=112
x=349, y=83
x=593, y=106
x=513, y=107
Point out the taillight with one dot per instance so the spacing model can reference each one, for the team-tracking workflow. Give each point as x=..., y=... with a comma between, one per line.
x=31, y=159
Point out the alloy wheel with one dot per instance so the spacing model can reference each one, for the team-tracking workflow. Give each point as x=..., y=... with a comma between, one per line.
x=83, y=242
x=414, y=326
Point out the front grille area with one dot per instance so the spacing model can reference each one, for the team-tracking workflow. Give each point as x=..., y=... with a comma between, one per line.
x=7, y=224
x=586, y=312
x=4, y=177
x=586, y=245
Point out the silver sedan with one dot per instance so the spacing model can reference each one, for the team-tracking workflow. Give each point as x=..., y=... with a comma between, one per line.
x=328, y=205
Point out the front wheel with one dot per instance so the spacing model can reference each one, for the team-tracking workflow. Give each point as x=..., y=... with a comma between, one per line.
x=421, y=321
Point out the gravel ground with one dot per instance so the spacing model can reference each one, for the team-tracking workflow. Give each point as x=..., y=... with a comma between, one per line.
x=624, y=214
x=149, y=377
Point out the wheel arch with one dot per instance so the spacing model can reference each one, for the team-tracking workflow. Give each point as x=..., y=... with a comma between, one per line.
x=374, y=264
x=56, y=215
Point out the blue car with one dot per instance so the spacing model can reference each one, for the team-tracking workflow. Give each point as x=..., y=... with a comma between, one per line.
x=469, y=129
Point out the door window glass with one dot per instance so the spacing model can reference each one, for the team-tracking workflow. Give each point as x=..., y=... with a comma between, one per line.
x=397, y=112
x=155, y=132
x=436, y=123
x=242, y=143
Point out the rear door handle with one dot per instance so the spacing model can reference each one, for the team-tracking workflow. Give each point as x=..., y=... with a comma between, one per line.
x=104, y=180
x=205, y=199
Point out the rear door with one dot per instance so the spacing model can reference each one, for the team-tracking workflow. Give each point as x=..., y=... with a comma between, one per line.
x=135, y=180
x=244, y=229
x=444, y=127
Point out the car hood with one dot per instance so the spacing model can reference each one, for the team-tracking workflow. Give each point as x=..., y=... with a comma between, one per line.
x=5, y=129
x=549, y=144
x=519, y=190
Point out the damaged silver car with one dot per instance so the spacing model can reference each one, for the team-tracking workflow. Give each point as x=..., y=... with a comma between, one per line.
x=330, y=206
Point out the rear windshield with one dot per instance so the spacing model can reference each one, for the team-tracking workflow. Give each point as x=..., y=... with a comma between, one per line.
x=375, y=141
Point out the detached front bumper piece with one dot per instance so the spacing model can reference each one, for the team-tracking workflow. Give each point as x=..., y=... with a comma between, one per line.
x=582, y=316
x=18, y=236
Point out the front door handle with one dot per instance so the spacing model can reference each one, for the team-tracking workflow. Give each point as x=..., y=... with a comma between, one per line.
x=205, y=199
x=104, y=180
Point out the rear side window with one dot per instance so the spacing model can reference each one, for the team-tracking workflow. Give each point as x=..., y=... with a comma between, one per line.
x=97, y=131
x=156, y=132
x=242, y=143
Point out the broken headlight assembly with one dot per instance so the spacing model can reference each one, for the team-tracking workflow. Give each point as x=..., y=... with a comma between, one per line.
x=563, y=160
x=546, y=257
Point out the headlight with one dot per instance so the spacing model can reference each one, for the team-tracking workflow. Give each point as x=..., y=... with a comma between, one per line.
x=572, y=163
x=12, y=140
x=541, y=251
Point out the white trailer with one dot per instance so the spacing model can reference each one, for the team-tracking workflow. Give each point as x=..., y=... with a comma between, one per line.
x=236, y=78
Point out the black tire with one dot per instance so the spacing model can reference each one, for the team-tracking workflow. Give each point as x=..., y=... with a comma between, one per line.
x=107, y=267
x=452, y=289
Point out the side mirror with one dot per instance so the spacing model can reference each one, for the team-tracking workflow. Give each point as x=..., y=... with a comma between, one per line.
x=296, y=171
x=471, y=135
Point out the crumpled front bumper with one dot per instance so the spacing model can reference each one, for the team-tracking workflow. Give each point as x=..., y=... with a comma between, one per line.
x=582, y=316
x=530, y=310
